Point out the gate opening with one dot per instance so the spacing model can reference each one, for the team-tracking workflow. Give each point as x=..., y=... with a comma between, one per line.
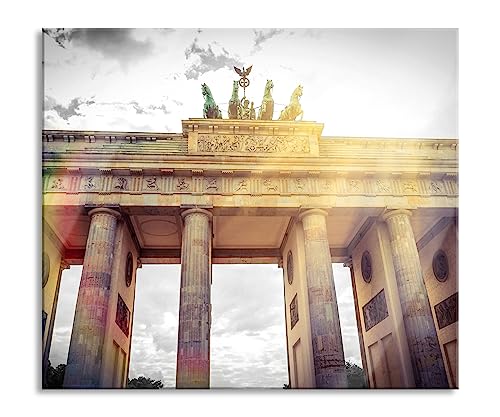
x=248, y=341
x=65, y=313
x=156, y=322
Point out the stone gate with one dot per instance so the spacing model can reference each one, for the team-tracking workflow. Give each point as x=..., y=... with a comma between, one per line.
x=247, y=191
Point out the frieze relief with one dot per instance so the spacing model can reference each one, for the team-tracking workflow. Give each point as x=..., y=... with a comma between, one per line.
x=252, y=184
x=253, y=144
x=150, y=183
x=436, y=187
x=383, y=186
x=90, y=183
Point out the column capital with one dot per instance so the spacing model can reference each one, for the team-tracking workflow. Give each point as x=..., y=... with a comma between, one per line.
x=394, y=212
x=104, y=210
x=196, y=210
x=312, y=211
x=348, y=263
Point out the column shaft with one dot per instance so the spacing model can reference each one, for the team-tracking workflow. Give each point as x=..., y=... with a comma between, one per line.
x=89, y=326
x=328, y=352
x=193, y=351
x=423, y=343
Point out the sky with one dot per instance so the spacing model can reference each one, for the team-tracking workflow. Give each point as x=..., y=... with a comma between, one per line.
x=370, y=82
x=248, y=341
x=358, y=82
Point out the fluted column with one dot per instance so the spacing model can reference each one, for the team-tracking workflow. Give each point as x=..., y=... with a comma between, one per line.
x=423, y=344
x=89, y=326
x=193, y=350
x=328, y=352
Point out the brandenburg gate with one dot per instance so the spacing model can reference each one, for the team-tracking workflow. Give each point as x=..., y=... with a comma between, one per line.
x=257, y=191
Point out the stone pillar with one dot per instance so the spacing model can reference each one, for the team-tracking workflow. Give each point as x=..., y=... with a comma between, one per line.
x=193, y=350
x=87, y=338
x=423, y=344
x=328, y=352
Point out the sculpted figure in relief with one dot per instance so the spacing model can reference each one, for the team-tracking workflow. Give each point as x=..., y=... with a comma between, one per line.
x=151, y=183
x=58, y=184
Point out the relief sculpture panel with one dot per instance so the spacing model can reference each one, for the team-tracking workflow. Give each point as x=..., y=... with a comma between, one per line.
x=447, y=311
x=266, y=184
x=253, y=144
x=375, y=310
x=122, y=316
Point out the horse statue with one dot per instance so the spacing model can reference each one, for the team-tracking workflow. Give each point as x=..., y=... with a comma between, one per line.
x=210, y=109
x=267, y=107
x=233, y=109
x=293, y=110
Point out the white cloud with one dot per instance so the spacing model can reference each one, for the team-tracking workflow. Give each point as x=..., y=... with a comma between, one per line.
x=357, y=82
x=248, y=342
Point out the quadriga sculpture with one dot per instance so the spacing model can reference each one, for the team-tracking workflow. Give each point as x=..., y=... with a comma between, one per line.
x=233, y=109
x=267, y=107
x=210, y=109
x=293, y=110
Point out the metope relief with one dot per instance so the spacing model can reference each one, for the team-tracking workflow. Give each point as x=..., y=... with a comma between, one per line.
x=410, y=187
x=447, y=311
x=383, y=186
x=264, y=184
x=211, y=184
x=354, y=186
x=294, y=312
x=90, y=183
x=122, y=316
x=241, y=185
x=436, y=187
x=150, y=183
x=270, y=185
x=121, y=184
x=300, y=184
x=375, y=310
x=57, y=184
x=182, y=184
x=253, y=144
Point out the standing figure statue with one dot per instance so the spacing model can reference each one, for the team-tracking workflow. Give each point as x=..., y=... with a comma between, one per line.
x=245, y=111
x=233, y=109
x=252, y=111
x=293, y=110
x=210, y=109
x=267, y=107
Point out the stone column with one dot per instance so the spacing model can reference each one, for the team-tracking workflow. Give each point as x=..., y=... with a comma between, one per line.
x=328, y=352
x=425, y=353
x=87, y=338
x=193, y=350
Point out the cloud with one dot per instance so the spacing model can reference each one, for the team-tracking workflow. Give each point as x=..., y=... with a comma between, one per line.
x=65, y=112
x=92, y=114
x=116, y=44
x=248, y=341
x=207, y=59
x=148, y=109
x=262, y=36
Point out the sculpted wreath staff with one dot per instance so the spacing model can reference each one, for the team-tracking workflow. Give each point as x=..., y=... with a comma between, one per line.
x=244, y=81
